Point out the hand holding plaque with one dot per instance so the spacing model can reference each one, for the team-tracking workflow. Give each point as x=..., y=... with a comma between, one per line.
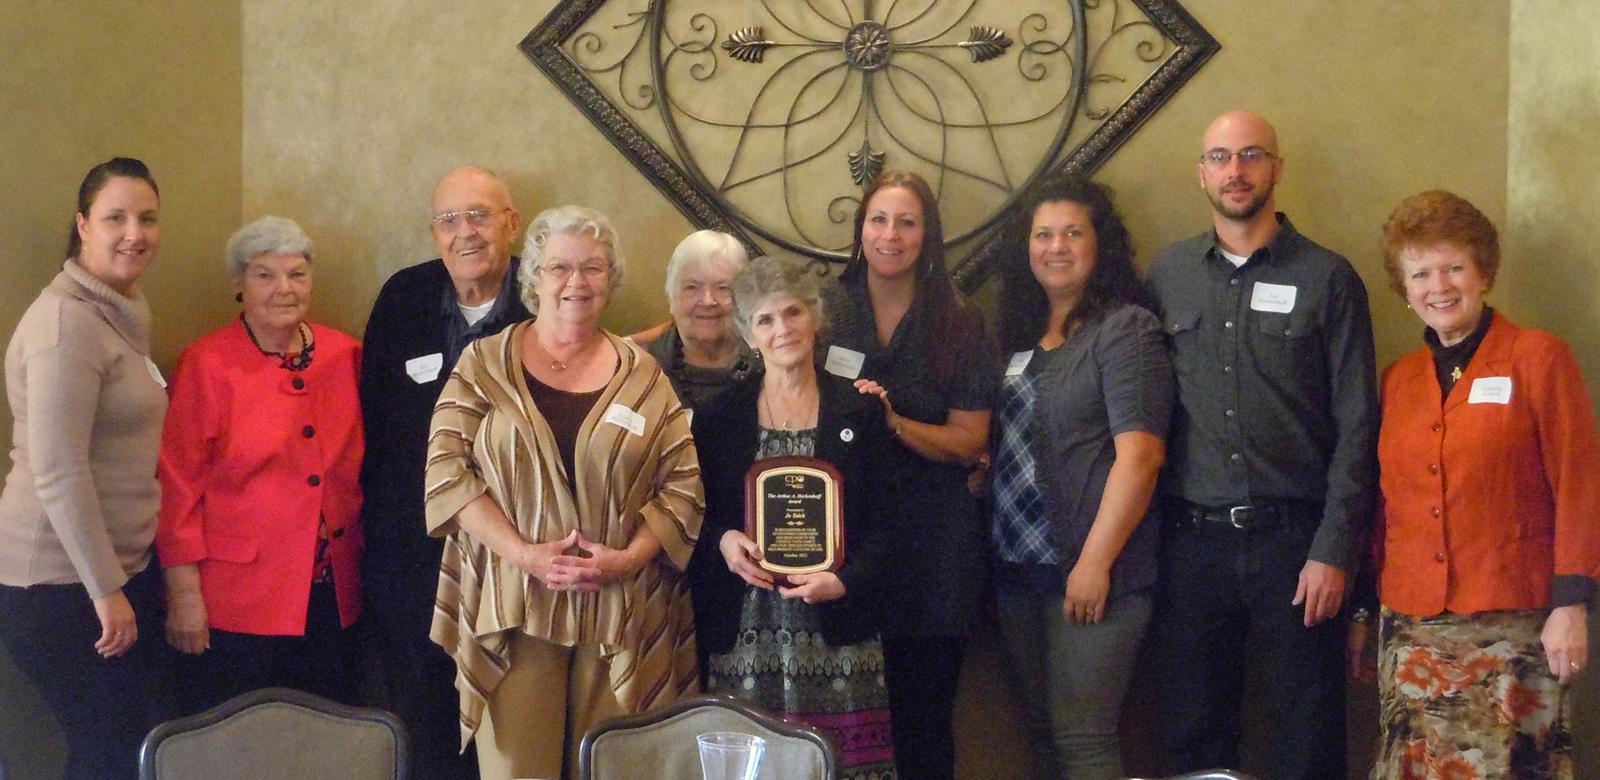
x=794, y=511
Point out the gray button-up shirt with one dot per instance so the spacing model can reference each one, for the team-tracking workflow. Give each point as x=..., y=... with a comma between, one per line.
x=1276, y=382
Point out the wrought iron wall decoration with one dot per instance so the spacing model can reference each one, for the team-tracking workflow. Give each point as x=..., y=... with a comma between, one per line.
x=765, y=118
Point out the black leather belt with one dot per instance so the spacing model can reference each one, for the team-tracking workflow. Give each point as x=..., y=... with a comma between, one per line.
x=1264, y=516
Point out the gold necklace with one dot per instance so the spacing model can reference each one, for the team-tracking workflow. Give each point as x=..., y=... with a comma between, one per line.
x=772, y=417
x=558, y=365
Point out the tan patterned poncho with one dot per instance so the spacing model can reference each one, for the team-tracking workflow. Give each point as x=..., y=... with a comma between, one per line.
x=487, y=437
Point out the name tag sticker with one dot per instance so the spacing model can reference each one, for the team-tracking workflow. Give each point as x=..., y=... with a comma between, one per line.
x=1019, y=361
x=844, y=362
x=155, y=373
x=1277, y=298
x=1490, y=390
x=426, y=368
x=623, y=417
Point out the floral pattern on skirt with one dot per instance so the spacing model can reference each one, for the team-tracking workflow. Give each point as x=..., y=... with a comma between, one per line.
x=1469, y=697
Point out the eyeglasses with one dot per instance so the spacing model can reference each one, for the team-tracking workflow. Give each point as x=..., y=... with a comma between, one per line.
x=1250, y=155
x=474, y=217
x=561, y=271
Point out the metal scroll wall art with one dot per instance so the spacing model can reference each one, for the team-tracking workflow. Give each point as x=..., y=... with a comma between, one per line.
x=766, y=118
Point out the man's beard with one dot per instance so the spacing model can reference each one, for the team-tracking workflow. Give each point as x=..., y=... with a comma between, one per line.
x=1248, y=211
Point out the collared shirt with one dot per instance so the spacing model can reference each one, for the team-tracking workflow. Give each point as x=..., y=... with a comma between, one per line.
x=413, y=338
x=1276, y=382
x=458, y=334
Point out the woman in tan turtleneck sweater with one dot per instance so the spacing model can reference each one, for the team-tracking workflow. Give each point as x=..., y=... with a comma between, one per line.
x=77, y=588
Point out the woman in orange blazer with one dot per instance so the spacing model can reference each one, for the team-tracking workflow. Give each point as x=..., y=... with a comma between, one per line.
x=258, y=531
x=1488, y=546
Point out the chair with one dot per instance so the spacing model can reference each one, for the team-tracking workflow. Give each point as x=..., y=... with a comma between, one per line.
x=1210, y=774
x=661, y=744
x=278, y=734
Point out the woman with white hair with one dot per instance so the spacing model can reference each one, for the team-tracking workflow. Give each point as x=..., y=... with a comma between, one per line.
x=561, y=469
x=699, y=348
x=259, y=462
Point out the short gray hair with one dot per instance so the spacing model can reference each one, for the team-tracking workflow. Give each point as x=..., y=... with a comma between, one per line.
x=266, y=236
x=765, y=277
x=568, y=220
x=701, y=248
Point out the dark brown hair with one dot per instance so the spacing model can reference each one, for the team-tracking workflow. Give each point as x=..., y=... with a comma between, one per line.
x=944, y=312
x=95, y=180
x=1113, y=282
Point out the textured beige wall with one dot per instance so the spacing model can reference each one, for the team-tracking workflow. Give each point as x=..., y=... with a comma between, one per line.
x=81, y=82
x=1551, y=238
x=353, y=111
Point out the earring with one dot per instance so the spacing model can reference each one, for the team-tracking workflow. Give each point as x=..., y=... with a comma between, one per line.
x=239, y=297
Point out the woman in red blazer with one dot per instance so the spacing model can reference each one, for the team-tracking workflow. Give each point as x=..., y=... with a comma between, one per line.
x=1488, y=546
x=258, y=531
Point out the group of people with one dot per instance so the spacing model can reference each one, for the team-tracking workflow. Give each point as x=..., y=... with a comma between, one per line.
x=544, y=522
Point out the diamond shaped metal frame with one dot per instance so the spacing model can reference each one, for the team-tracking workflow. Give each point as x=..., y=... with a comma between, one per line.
x=1193, y=46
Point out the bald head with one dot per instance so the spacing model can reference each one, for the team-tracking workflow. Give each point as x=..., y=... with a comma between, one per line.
x=474, y=226
x=1240, y=129
x=479, y=182
x=1239, y=168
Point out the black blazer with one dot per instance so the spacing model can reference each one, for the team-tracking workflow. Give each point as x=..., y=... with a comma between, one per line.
x=726, y=433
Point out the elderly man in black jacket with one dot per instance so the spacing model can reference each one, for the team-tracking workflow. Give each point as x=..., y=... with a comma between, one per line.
x=425, y=315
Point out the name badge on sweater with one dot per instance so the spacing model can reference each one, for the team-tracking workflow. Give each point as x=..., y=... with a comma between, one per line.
x=844, y=362
x=1019, y=362
x=625, y=418
x=155, y=373
x=1276, y=298
x=426, y=368
x=1490, y=390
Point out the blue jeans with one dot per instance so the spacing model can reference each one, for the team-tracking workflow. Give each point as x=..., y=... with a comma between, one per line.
x=1071, y=679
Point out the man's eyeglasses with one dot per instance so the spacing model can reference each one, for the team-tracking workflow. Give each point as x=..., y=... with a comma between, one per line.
x=1250, y=155
x=473, y=217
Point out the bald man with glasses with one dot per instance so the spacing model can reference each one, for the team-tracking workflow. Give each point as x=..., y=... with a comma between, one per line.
x=1271, y=467
x=424, y=317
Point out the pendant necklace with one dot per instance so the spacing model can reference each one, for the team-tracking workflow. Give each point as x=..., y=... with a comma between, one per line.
x=787, y=424
x=773, y=418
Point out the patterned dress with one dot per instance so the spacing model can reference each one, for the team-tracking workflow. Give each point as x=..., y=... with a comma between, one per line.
x=781, y=663
x=1470, y=697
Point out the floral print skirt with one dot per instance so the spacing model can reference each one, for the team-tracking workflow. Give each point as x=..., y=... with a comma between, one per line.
x=1469, y=696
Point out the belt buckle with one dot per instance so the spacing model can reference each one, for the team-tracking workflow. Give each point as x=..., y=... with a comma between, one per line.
x=1237, y=516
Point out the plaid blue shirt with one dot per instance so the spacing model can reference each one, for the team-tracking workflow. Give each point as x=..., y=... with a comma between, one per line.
x=1020, y=532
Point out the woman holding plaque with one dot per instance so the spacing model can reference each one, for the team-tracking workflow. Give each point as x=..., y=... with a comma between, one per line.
x=907, y=336
x=803, y=645
x=1083, y=413
x=561, y=469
